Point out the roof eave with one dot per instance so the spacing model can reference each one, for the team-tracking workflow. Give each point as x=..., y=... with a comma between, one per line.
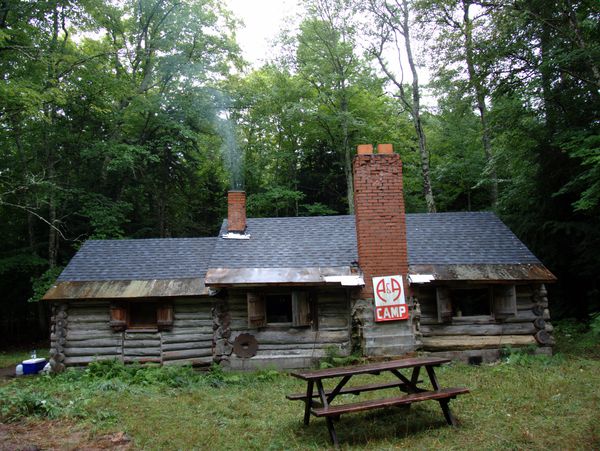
x=126, y=289
x=229, y=277
x=499, y=273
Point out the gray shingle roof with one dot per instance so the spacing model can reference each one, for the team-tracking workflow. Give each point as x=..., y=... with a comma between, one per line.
x=463, y=238
x=317, y=241
x=146, y=259
x=323, y=241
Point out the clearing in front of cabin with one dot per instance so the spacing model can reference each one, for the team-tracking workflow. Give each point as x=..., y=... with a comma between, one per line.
x=524, y=401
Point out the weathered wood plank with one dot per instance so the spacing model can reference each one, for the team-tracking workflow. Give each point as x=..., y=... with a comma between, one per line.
x=461, y=342
x=82, y=334
x=187, y=345
x=186, y=338
x=196, y=361
x=300, y=336
x=94, y=342
x=192, y=323
x=180, y=316
x=186, y=354
x=141, y=343
x=81, y=351
x=526, y=328
x=83, y=360
x=141, y=351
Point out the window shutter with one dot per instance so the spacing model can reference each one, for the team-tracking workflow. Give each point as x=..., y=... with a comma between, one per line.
x=257, y=310
x=444, y=305
x=505, y=301
x=301, y=309
x=164, y=316
x=118, y=317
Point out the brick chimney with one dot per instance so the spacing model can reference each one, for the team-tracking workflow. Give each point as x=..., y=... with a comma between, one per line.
x=236, y=211
x=380, y=216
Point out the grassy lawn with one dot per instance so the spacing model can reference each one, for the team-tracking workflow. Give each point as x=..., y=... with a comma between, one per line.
x=523, y=402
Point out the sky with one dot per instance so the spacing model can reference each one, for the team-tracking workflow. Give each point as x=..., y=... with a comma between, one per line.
x=263, y=20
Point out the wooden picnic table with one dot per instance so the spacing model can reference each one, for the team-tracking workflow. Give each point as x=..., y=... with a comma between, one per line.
x=408, y=385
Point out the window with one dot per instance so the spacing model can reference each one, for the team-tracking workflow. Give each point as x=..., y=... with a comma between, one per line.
x=279, y=308
x=469, y=301
x=142, y=315
x=291, y=308
x=155, y=315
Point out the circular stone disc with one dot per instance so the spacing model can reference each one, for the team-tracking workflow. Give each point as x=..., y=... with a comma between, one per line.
x=245, y=346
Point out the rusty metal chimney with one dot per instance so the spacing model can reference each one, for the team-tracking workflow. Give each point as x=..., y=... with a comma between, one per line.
x=236, y=211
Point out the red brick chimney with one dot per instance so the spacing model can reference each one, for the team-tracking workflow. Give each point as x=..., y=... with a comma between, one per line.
x=380, y=216
x=236, y=211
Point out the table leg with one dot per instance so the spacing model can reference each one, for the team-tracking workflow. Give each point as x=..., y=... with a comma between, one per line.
x=444, y=403
x=332, y=434
x=447, y=414
x=308, y=403
x=432, y=378
x=329, y=421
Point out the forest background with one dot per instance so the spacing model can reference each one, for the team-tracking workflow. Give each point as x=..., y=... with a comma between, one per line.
x=132, y=118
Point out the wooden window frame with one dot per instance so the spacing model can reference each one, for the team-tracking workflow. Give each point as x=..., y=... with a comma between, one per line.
x=120, y=316
x=304, y=309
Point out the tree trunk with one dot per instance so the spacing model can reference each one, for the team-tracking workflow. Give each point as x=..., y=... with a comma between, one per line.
x=347, y=153
x=416, y=114
x=475, y=83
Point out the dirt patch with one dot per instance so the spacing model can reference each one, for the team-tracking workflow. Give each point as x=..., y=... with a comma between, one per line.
x=33, y=435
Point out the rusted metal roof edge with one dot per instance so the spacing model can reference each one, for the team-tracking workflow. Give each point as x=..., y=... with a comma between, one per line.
x=223, y=277
x=126, y=289
x=486, y=272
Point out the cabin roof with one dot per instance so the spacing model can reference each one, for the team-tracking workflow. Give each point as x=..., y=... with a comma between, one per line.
x=453, y=246
x=141, y=259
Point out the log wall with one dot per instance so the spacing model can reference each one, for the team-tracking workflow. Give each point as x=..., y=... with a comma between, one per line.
x=291, y=347
x=81, y=333
x=474, y=337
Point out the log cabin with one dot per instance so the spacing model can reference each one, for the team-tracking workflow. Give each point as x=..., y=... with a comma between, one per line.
x=283, y=292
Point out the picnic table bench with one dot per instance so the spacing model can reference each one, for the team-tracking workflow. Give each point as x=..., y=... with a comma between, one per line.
x=319, y=403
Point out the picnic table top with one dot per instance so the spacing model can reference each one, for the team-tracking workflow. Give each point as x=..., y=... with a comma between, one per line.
x=368, y=368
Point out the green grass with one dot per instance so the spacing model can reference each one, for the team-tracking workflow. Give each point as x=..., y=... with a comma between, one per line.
x=525, y=402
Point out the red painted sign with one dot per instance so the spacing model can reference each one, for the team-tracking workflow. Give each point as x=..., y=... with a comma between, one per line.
x=390, y=303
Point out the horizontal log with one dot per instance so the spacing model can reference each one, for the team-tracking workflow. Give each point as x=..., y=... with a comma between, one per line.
x=82, y=334
x=297, y=346
x=84, y=319
x=103, y=326
x=76, y=313
x=141, y=351
x=81, y=351
x=142, y=336
x=187, y=345
x=479, y=329
x=522, y=316
x=196, y=361
x=88, y=359
x=179, y=316
x=283, y=354
x=298, y=336
x=185, y=338
x=186, y=354
x=192, y=323
x=129, y=343
x=464, y=342
x=326, y=322
x=95, y=342
x=142, y=359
